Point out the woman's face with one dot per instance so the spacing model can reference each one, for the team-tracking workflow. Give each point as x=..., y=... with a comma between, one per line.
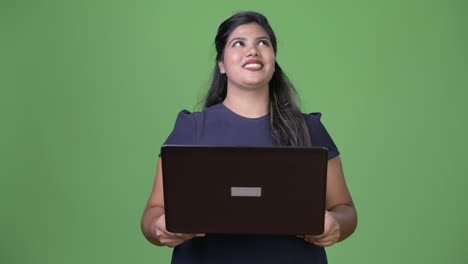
x=249, y=58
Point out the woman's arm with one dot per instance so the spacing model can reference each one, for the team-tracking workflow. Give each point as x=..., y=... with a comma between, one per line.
x=339, y=201
x=340, y=217
x=153, y=222
x=154, y=209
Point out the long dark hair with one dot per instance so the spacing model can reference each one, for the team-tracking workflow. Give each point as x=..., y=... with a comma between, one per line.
x=288, y=126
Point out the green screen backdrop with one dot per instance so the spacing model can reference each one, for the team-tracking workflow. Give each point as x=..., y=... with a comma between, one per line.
x=90, y=90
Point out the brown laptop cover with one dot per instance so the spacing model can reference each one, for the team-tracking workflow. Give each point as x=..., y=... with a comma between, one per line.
x=244, y=190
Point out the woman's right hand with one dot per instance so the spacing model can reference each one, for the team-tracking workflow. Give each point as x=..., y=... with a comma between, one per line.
x=171, y=239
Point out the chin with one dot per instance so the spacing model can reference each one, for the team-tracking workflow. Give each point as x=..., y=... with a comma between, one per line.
x=255, y=83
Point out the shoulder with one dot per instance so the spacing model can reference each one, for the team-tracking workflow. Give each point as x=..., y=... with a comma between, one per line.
x=313, y=117
x=192, y=118
x=195, y=114
x=189, y=125
x=313, y=120
x=319, y=134
x=185, y=127
x=185, y=118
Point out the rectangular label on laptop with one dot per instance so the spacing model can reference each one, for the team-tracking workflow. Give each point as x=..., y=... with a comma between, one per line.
x=246, y=191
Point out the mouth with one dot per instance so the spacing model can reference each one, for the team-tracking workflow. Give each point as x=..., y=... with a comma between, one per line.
x=253, y=65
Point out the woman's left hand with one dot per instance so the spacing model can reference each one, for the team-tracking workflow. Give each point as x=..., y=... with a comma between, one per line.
x=330, y=235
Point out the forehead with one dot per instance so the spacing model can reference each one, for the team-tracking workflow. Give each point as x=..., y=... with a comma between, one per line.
x=251, y=30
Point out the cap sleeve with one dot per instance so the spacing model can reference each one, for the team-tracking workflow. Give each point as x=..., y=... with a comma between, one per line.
x=319, y=135
x=184, y=130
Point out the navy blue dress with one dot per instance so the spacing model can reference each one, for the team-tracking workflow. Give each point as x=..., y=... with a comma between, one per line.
x=218, y=125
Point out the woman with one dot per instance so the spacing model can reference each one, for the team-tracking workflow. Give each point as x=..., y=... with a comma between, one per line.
x=251, y=102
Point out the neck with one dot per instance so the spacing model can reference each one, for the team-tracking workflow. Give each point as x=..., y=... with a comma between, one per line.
x=251, y=103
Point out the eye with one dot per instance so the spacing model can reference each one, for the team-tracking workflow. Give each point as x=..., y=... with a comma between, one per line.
x=238, y=43
x=264, y=42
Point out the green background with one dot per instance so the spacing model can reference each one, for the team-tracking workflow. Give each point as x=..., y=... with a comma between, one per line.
x=90, y=89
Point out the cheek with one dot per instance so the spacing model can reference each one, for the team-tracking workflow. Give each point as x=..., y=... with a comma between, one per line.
x=272, y=62
x=233, y=57
x=272, y=57
x=269, y=56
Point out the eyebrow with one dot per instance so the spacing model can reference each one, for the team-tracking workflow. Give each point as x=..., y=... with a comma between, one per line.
x=239, y=38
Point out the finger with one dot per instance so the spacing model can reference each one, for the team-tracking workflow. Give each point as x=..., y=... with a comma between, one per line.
x=309, y=239
x=161, y=228
x=188, y=236
x=324, y=243
x=163, y=232
x=184, y=236
x=313, y=238
x=318, y=237
x=172, y=242
x=160, y=233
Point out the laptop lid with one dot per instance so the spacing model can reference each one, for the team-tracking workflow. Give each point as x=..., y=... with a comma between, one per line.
x=244, y=190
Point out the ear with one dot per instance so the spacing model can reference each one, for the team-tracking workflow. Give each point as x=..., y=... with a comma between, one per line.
x=221, y=67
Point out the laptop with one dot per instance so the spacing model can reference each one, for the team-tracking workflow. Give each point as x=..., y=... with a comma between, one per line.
x=244, y=190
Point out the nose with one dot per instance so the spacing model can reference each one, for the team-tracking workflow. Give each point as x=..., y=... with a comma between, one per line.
x=252, y=52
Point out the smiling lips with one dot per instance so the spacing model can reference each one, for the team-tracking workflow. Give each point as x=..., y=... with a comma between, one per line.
x=253, y=65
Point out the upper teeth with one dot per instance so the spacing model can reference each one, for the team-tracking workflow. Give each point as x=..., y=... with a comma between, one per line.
x=253, y=65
